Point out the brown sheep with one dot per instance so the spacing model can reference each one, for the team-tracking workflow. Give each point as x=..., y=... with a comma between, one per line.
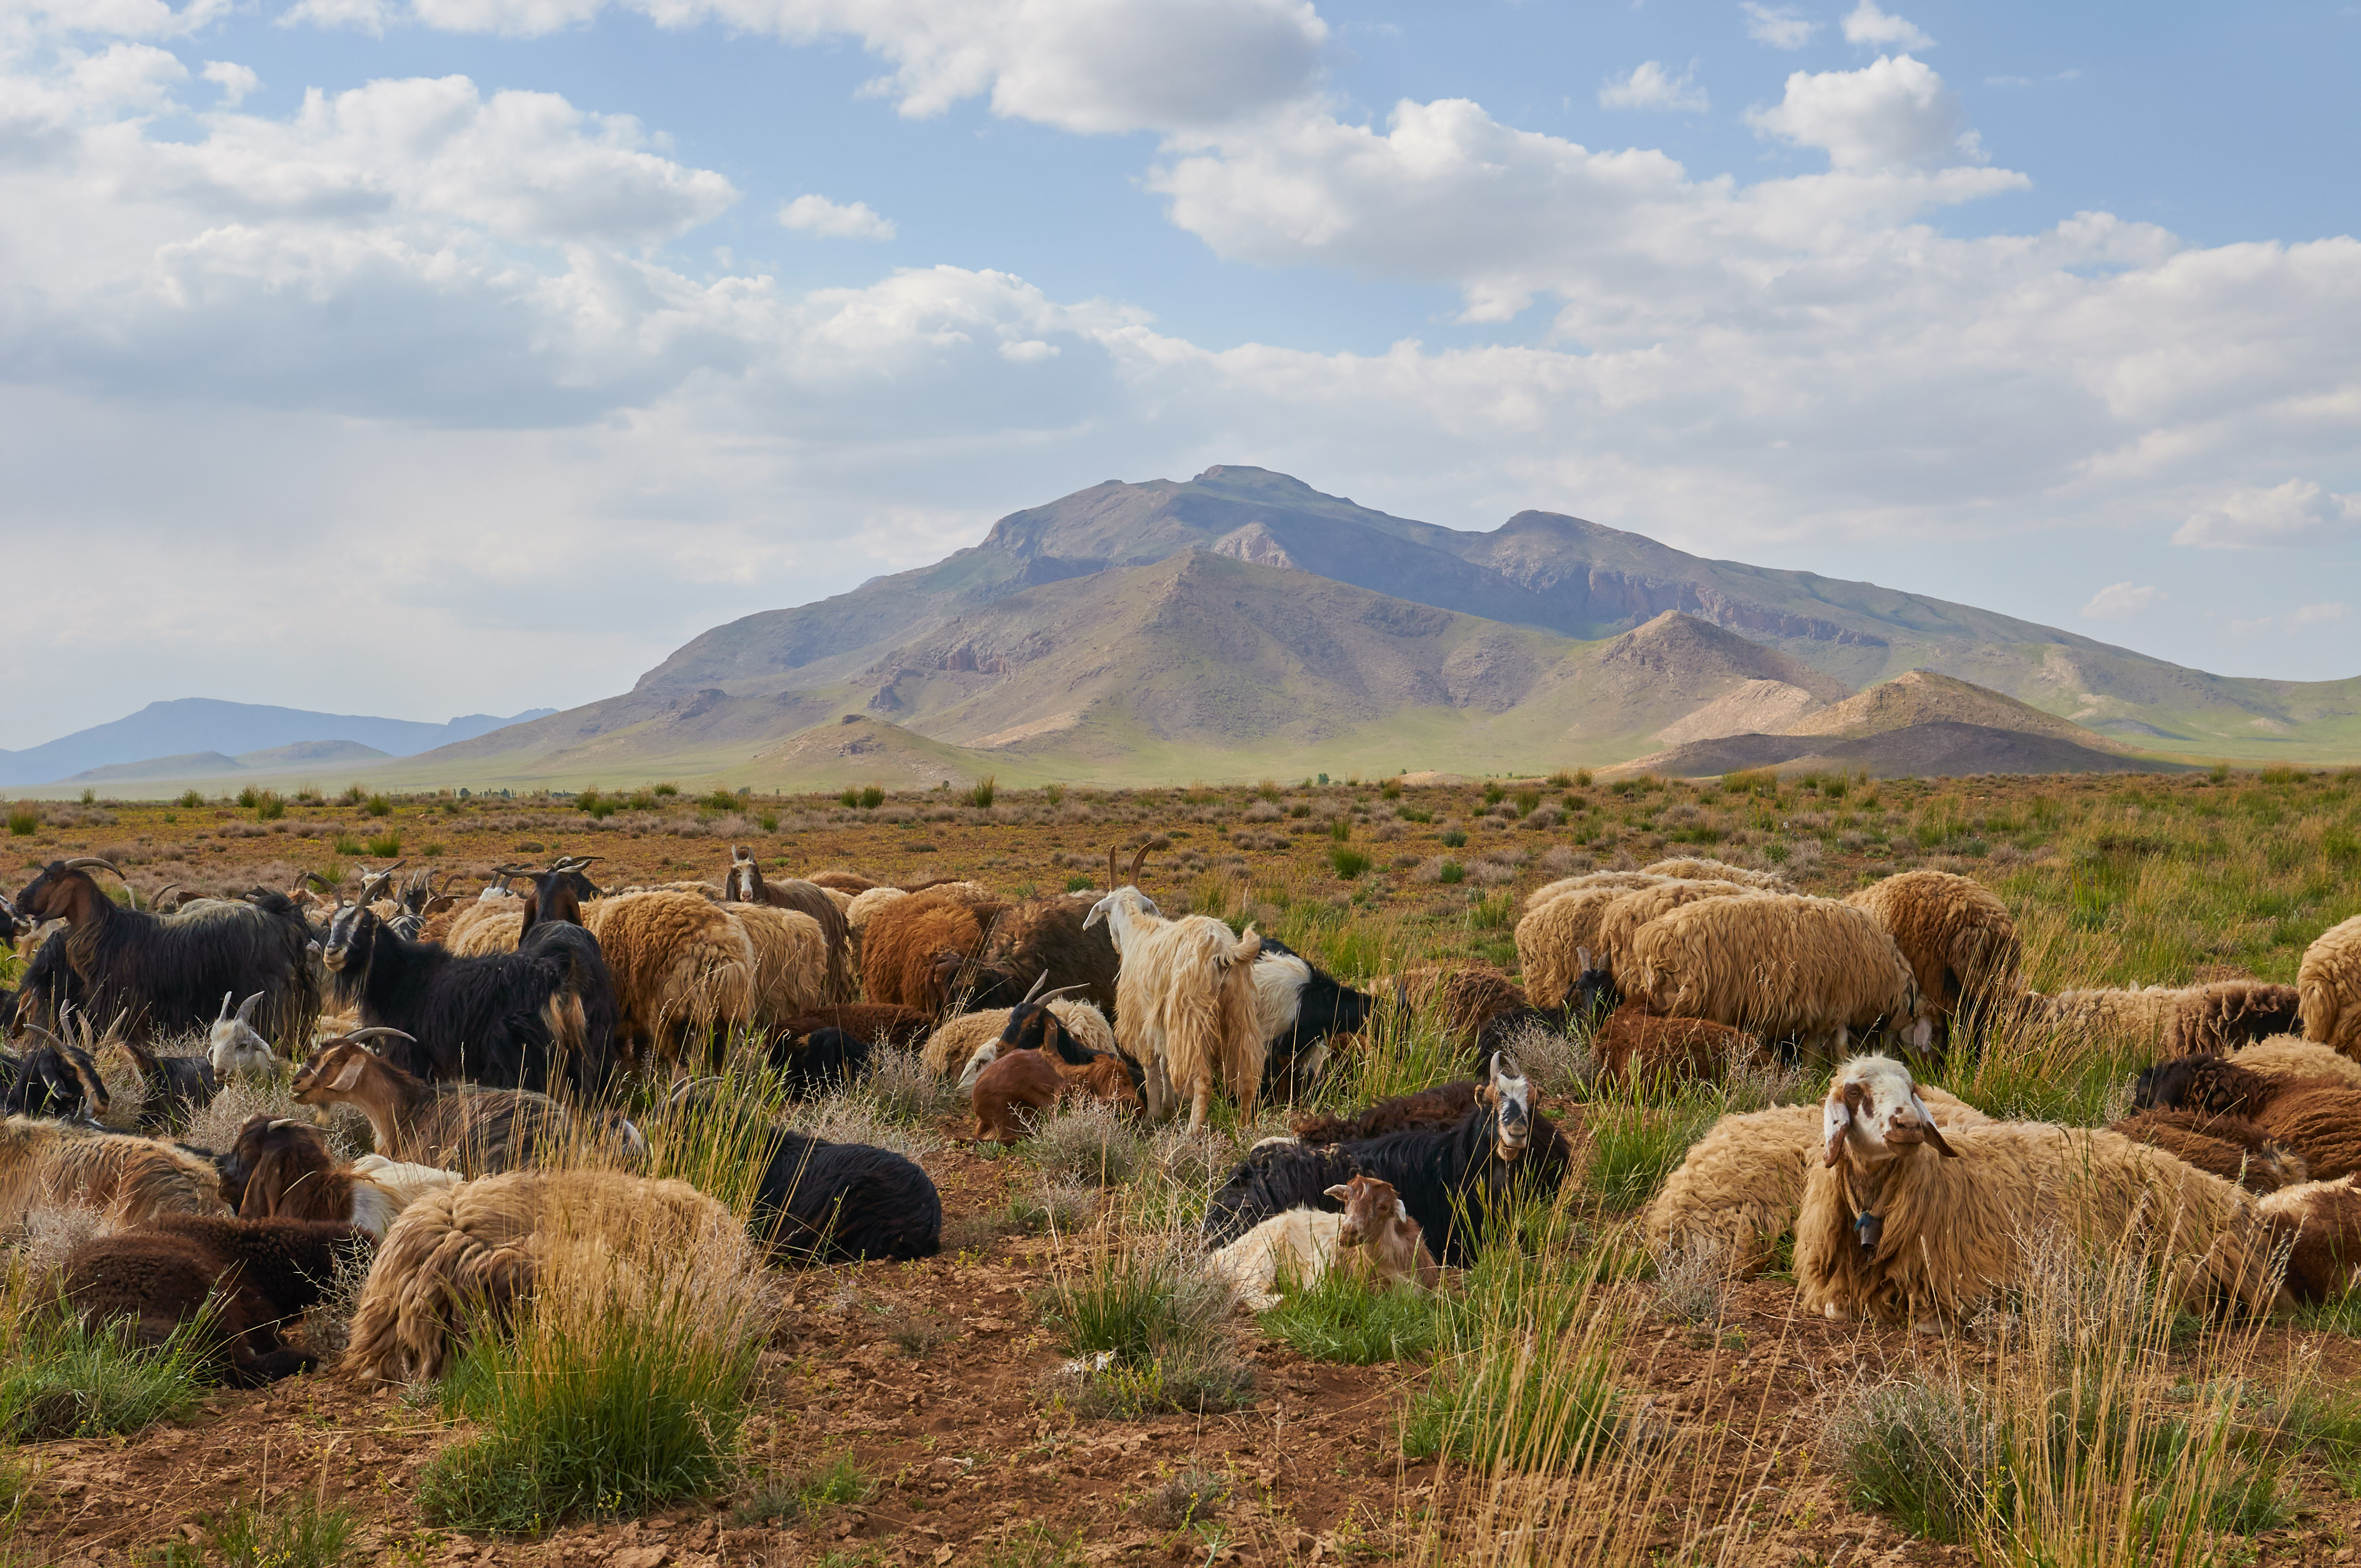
x=683, y=970
x=912, y=950
x=1045, y=937
x=1957, y=935
x=2228, y=1147
x=747, y=884
x=2317, y=1120
x=1633, y=1046
x=871, y=1022
x=2214, y=1019
x=842, y=882
x=1468, y=996
x=2319, y=1224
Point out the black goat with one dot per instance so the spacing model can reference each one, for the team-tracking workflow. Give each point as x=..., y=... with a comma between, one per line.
x=1316, y=1008
x=164, y=974
x=262, y=1272
x=498, y=1020
x=1458, y=1182
x=553, y=929
x=826, y=1061
x=824, y=1202
x=53, y=1077
x=176, y=1087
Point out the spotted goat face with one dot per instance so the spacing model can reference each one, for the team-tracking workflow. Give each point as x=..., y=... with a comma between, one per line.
x=1511, y=1096
x=1873, y=1111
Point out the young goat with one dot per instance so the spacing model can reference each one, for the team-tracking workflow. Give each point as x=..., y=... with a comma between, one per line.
x=1305, y=1243
x=479, y=1130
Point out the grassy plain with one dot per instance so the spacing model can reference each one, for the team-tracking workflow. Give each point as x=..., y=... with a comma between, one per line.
x=1058, y=1388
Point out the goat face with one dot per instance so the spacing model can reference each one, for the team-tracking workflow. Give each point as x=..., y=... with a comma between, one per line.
x=1511, y=1096
x=351, y=935
x=62, y=888
x=745, y=882
x=55, y=1079
x=1370, y=1205
x=1872, y=1111
x=1595, y=995
x=233, y=1045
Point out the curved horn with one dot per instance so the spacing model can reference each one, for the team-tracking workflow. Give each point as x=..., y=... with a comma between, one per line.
x=1038, y=982
x=157, y=899
x=1049, y=996
x=246, y=1009
x=684, y=1088
x=1138, y=860
x=84, y=863
x=374, y=1030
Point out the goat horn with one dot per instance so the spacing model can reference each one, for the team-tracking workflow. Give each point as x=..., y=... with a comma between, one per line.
x=685, y=1087
x=158, y=896
x=245, y=1008
x=1038, y=982
x=84, y=863
x=1112, y=883
x=1138, y=860
x=224, y=1015
x=324, y=881
x=1049, y=997
x=374, y=1030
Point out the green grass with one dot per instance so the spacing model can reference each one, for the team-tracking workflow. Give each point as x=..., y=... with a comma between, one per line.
x=24, y=822
x=302, y=1534
x=378, y=806
x=348, y=844
x=1634, y=1147
x=1144, y=1322
x=786, y=1499
x=1348, y=863
x=1342, y=1317
x=60, y=1378
x=385, y=846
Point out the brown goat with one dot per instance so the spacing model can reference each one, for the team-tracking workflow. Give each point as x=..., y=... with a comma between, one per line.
x=286, y=1172
x=480, y=1131
x=1377, y=1220
x=871, y=1022
x=912, y=950
x=842, y=880
x=1017, y=1087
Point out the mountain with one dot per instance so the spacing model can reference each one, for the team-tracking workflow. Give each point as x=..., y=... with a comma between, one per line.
x=1539, y=570
x=1944, y=747
x=165, y=732
x=213, y=764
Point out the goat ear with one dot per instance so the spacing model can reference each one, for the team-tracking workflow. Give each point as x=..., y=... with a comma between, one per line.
x=351, y=1074
x=1836, y=1116
x=1582, y=958
x=1342, y=1192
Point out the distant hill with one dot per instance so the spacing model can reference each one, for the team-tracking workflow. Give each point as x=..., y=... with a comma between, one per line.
x=196, y=726
x=213, y=764
x=1941, y=747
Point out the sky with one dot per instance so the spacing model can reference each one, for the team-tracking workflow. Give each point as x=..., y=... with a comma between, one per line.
x=420, y=358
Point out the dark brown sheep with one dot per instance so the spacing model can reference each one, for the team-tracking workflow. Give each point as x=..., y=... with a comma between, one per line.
x=264, y=1271
x=1469, y=997
x=869, y=1022
x=1045, y=939
x=2317, y=1119
x=1633, y=1044
x=2231, y=1147
x=2215, y=1019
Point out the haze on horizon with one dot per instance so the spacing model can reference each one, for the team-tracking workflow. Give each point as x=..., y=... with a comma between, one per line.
x=434, y=357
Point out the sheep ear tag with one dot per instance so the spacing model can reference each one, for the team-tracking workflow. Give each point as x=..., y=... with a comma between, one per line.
x=1835, y=1117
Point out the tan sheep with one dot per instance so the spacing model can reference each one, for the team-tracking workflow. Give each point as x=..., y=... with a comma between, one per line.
x=465, y=1254
x=1626, y=912
x=1553, y=941
x=480, y=930
x=1549, y=891
x=129, y=1180
x=1780, y=965
x=1900, y=1220
x=1959, y=938
x=682, y=969
x=1701, y=868
x=2284, y=1056
x=2328, y=980
x=1737, y=1191
x=791, y=961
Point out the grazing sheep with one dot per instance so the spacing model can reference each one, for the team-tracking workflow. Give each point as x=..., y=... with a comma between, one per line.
x=1634, y=907
x=748, y=885
x=1957, y=935
x=2228, y=1147
x=2228, y=1014
x=1458, y=1182
x=2137, y=1017
x=257, y=1274
x=1633, y=1045
x=480, y=1131
x=1185, y=1003
x=1471, y=998
x=913, y=949
x=838, y=881
x=1549, y=891
x=1901, y=1220
x=790, y=962
x=469, y=1253
x=871, y=1022
x=1781, y=965
x=1556, y=941
x=2328, y=980
x=1737, y=1191
x=130, y=1181
x=1701, y=868
x=683, y=968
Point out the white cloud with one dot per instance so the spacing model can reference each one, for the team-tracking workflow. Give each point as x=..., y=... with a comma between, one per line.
x=2315, y=614
x=1894, y=113
x=1649, y=85
x=1865, y=24
x=1781, y=27
x=2301, y=616
x=237, y=82
x=832, y=220
x=2296, y=514
x=1082, y=65
x=2120, y=601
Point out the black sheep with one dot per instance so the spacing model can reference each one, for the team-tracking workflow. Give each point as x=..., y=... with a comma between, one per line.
x=1457, y=1180
x=826, y=1061
x=265, y=1272
x=825, y=1202
x=496, y=1020
x=162, y=974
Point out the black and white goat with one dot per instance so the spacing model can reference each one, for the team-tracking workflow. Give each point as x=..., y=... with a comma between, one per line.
x=1459, y=1181
x=1299, y=1007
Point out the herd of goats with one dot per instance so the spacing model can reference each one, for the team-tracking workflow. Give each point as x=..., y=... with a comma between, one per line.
x=487, y=1041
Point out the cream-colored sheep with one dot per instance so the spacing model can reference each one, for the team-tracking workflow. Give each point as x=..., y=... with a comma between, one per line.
x=1702, y=868
x=1626, y=912
x=1958, y=936
x=1780, y=965
x=1549, y=891
x=1737, y=1191
x=682, y=967
x=2328, y=981
x=2284, y=1056
x=790, y=962
x=1553, y=940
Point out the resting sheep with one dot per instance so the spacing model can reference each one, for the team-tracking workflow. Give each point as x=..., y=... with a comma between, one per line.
x=1900, y=1220
x=2228, y=1014
x=1736, y=1191
x=260, y=1273
x=129, y=1180
x=2317, y=1120
x=2228, y=1147
x=2328, y=982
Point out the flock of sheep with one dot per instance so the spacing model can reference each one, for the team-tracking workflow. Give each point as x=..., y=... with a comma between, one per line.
x=517, y=1056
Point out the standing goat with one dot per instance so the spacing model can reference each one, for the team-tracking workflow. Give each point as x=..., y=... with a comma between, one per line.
x=746, y=884
x=1184, y=1003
